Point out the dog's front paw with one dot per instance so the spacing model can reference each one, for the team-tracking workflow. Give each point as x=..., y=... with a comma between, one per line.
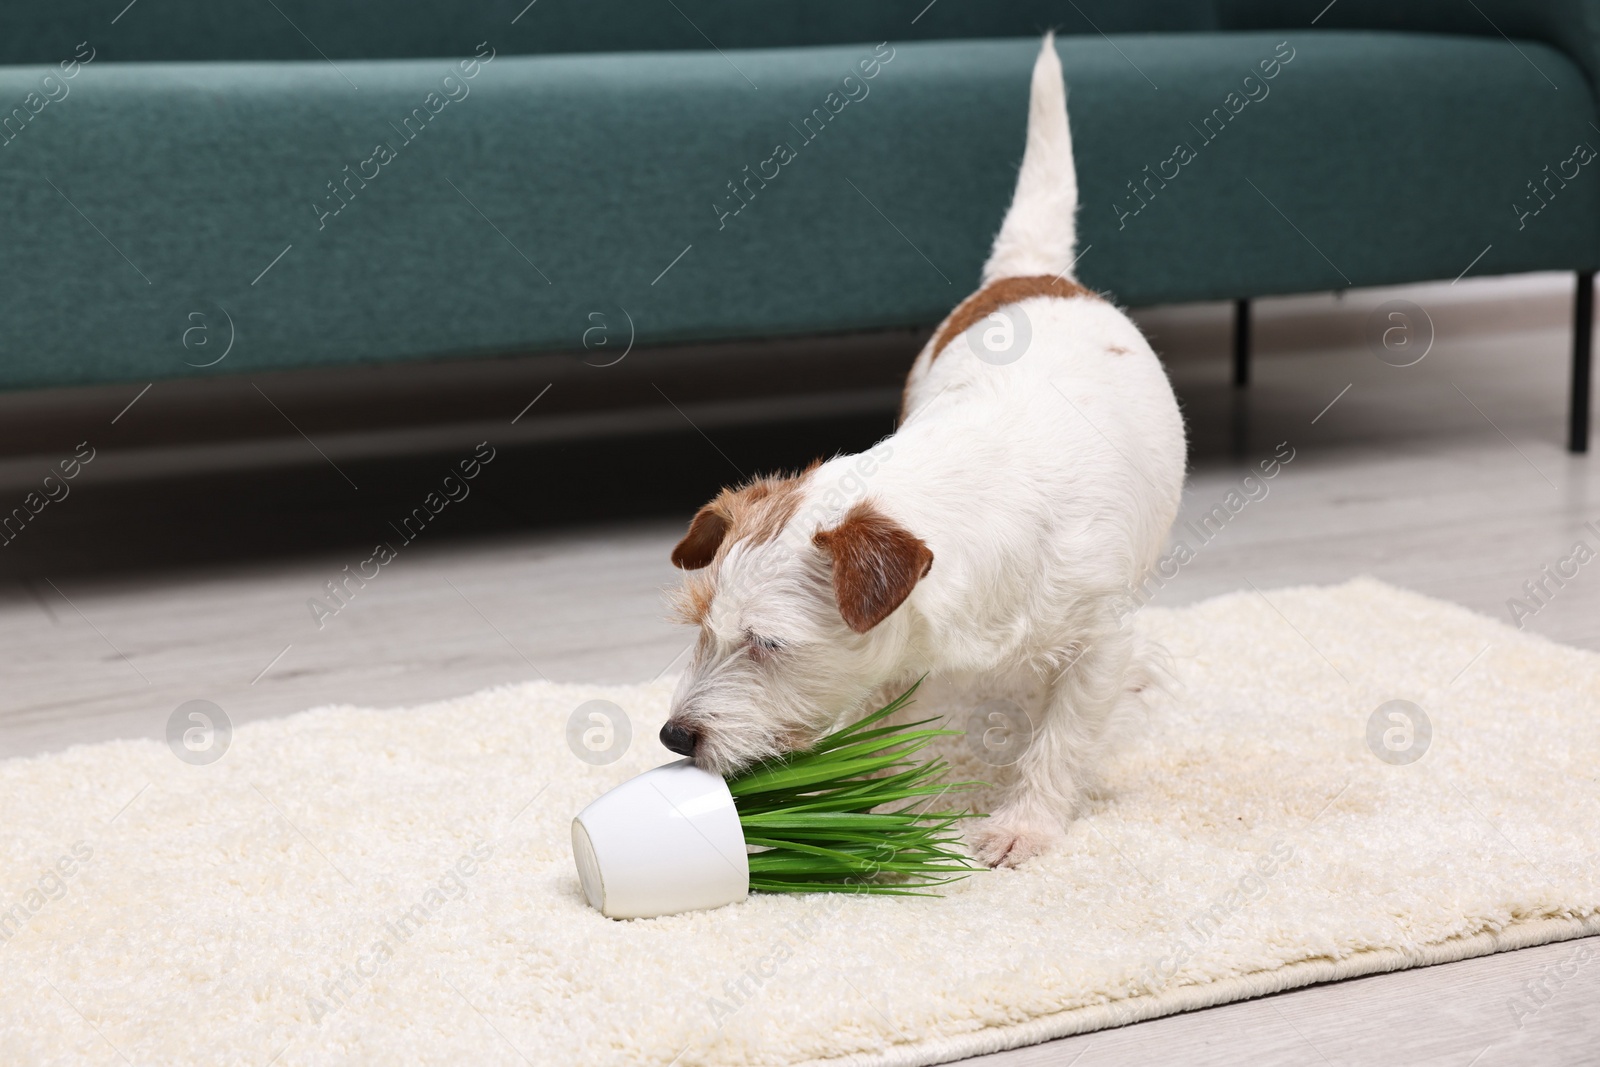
x=1002, y=841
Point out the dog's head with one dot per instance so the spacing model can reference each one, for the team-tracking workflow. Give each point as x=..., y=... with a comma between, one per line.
x=791, y=596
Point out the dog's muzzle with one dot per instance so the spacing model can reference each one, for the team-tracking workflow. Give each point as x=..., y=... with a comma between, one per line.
x=679, y=738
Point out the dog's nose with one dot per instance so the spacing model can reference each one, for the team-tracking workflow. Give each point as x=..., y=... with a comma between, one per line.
x=679, y=738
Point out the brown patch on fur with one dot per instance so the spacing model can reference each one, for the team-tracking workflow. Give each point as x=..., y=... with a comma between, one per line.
x=1118, y=349
x=755, y=512
x=998, y=294
x=876, y=564
x=985, y=302
x=706, y=532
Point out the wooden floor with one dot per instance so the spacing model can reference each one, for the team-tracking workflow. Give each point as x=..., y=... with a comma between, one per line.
x=145, y=588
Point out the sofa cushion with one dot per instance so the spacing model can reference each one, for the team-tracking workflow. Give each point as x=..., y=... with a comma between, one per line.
x=1373, y=159
x=200, y=30
x=560, y=188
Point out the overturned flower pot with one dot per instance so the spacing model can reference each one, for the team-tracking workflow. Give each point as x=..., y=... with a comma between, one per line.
x=839, y=817
x=664, y=842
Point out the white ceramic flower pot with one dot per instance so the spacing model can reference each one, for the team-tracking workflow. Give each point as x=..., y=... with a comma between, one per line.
x=664, y=842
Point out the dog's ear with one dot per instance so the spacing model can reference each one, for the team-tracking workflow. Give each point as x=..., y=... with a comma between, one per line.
x=759, y=508
x=876, y=564
x=706, y=531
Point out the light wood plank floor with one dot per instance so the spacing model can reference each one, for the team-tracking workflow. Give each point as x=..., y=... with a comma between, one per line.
x=1448, y=477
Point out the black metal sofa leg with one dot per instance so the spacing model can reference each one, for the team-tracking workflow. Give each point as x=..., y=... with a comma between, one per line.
x=1241, y=342
x=1582, y=362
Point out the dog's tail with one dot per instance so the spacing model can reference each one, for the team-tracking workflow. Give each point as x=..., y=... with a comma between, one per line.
x=1039, y=234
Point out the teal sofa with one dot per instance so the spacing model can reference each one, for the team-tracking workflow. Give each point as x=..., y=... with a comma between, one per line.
x=201, y=189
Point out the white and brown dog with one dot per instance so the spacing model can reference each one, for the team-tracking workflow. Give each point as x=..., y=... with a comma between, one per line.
x=988, y=542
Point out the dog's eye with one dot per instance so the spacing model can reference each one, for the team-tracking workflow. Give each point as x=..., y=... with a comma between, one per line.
x=761, y=647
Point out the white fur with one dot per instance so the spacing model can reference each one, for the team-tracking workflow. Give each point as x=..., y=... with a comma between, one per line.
x=1044, y=487
x=1040, y=231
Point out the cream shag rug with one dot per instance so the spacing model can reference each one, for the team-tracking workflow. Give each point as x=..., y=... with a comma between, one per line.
x=396, y=886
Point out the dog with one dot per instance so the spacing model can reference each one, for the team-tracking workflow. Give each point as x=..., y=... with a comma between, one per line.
x=989, y=542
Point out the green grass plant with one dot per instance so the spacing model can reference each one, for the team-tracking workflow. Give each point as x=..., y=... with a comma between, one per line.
x=842, y=816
